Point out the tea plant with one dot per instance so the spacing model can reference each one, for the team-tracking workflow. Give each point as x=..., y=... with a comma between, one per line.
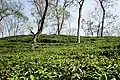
x=60, y=58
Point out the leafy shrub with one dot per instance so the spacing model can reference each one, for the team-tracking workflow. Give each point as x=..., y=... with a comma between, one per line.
x=60, y=58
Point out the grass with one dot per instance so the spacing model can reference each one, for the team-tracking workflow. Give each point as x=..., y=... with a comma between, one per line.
x=60, y=58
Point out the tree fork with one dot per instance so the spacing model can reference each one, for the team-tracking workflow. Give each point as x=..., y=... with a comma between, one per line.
x=40, y=26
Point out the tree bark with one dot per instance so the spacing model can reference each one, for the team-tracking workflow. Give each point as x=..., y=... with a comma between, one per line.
x=103, y=17
x=78, y=30
x=61, y=26
x=79, y=17
x=58, y=25
x=102, y=27
x=34, y=40
x=98, y=29
x=40, y=26
x=2, y=34
x=58, y=18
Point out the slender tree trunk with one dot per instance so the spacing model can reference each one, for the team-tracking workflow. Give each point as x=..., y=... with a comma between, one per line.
x=14, y=30
x=98, y=30
x=61, y=26
x=58, y=18
x=34, y=40
x=79, y=17
x=78, y=30
x=9, y=32
x=92, y=33
x=58, y=26
x=2, y=34
x=40, y=26
x=102, y=27
x=58, y=31
x=103, y=17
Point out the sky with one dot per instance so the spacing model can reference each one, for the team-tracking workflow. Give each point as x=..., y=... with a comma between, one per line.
x=88, y=6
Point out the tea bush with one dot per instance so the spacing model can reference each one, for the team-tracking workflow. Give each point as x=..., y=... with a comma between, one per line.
x=60, y=58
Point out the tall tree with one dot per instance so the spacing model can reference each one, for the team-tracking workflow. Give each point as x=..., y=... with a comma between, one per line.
x=60, y=13
x=105, y=4
x=103, y=17
x=81, y=2
x=40, y=25
x=92, y=21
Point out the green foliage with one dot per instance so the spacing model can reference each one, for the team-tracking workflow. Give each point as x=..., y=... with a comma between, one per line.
x=20, y=15
x=60, y=58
